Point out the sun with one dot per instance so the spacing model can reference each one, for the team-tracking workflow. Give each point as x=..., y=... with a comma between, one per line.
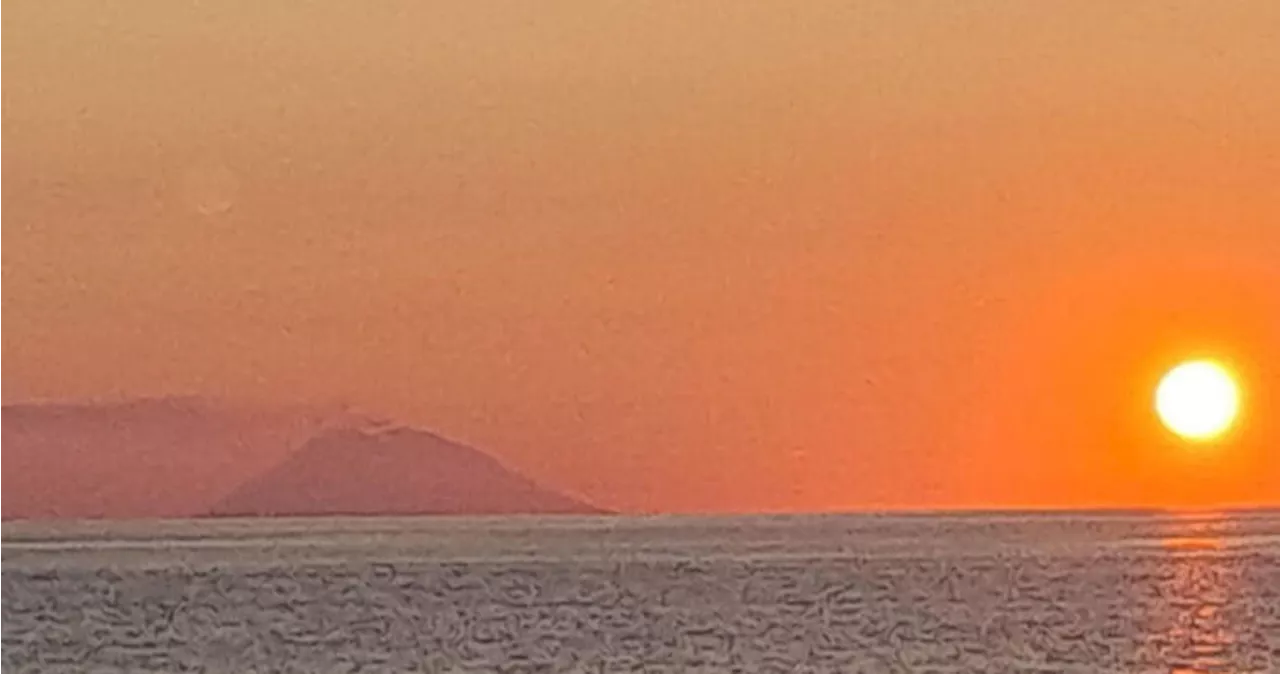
x=1198, y=400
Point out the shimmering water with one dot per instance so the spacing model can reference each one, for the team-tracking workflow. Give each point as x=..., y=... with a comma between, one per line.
x=1051, y=593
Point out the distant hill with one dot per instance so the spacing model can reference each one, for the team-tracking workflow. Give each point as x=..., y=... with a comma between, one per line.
x=186, y=457
x=168, y=457
x=394, y=471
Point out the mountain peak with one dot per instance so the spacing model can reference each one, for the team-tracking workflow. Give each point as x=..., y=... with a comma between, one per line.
x=188, y=456
x=392, y=470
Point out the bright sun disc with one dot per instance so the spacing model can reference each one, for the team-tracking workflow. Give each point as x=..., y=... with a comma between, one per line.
x=1198, y=400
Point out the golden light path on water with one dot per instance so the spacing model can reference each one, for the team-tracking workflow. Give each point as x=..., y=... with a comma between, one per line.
x=1200, y=633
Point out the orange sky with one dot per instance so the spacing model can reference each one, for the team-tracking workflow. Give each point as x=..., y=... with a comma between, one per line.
x=672, y=256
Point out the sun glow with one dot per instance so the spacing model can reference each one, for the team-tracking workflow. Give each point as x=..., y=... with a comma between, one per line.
x=1198, y=400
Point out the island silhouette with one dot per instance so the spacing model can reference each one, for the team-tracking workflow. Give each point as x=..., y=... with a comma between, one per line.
x=193, y=457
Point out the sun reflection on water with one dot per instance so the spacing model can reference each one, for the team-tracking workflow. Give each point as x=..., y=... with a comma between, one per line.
x=1196, y=590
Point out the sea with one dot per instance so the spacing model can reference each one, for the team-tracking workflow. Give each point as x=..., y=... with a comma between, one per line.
x=927, y=592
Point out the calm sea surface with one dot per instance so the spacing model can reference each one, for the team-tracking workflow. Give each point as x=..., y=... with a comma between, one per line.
x=874, y=593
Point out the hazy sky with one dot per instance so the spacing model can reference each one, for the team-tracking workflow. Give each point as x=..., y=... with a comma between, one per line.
x=668, y=255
